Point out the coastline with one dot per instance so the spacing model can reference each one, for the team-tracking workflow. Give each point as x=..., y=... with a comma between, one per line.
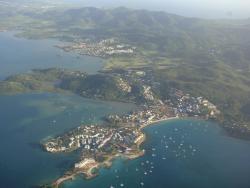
x=158, y=121
x=87, y=170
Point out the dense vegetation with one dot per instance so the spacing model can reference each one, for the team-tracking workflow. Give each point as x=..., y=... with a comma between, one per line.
x=97, y=86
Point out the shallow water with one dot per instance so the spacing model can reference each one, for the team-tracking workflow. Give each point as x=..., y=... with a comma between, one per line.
x=26, y=120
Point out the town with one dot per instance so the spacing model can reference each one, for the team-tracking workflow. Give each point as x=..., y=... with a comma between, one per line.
x=95, y=138
x=123, y=135
x=104, y=48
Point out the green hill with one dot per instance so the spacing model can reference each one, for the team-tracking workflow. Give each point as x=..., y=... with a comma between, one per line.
x=203, y=57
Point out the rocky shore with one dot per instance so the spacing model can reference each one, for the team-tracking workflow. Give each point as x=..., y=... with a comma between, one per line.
x=89, y=165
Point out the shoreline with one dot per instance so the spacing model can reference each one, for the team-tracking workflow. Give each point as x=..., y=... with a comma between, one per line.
x=108, y=162
x=88, y=172
x=158, y=121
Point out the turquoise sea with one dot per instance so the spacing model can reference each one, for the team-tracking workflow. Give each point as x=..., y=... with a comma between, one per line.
x=179, y=153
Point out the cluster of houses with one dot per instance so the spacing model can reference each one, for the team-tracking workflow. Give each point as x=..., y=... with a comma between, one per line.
x=88, y=137
x=120, y=133
x=94, y=138
x=185, y=105
x=140, y=118
x=104, y=48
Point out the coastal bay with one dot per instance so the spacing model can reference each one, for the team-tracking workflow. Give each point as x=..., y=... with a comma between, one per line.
x=199, y=154
x=89, y=165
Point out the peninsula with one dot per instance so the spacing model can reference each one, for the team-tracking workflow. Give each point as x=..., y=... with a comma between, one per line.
x=118, y=135
x=121, y=136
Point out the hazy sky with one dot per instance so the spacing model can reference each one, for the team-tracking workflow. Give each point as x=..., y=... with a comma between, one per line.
x=196, y=8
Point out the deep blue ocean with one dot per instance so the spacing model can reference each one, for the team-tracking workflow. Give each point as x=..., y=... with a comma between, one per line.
x=179, y=153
